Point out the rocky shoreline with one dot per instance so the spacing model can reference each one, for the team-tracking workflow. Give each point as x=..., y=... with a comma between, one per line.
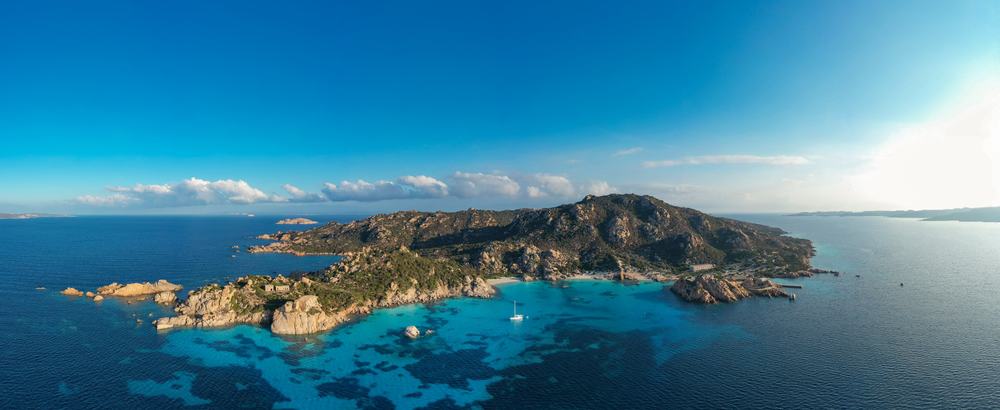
x=711, y=289
x=316, y=302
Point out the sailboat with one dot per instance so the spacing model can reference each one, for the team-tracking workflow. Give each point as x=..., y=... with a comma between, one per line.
x=516, y=317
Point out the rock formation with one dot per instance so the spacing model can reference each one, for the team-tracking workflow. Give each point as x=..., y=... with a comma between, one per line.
x=165, y=298
x=138, y=289
x=71, y=292
x=297, y=221
x=709, y=289
x=306, y=315
x=98, y=298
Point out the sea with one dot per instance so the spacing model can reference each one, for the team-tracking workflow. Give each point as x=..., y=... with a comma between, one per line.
x=913, y=322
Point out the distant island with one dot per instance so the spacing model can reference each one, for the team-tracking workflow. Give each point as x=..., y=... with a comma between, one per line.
x=988, y=214
x=416, y=257
x=297, y=221
x=28, y=216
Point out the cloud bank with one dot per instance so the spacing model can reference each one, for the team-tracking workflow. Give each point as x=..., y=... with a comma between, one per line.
x=194, y=191
x=406, y=187
x=729, y=159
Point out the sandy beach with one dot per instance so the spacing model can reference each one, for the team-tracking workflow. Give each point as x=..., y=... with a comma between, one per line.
x=502, y=280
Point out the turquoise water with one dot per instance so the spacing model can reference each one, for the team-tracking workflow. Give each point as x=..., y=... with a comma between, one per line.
x=473, y=341
x=847, y=342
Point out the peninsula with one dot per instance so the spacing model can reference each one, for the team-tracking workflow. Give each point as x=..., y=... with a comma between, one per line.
x=412, y=257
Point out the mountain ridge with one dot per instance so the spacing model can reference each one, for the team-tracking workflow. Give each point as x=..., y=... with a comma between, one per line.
x=618, y=232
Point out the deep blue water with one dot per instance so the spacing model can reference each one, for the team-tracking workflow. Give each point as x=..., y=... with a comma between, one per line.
x=846, y=343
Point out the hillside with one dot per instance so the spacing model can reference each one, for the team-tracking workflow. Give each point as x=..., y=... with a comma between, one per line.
x=606, y=233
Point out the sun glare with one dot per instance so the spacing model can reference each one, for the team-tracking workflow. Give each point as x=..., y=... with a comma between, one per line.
x=950, y=161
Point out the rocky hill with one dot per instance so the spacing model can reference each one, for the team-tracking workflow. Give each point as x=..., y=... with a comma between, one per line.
x=605, y=234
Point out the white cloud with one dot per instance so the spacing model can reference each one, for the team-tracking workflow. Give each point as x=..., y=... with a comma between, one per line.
x=729, y=159
x=192, y=191
x=407, y=187
x=107, y=200
x=597, y=188
x=298, y=195
x=428, y=186
x=469, y=185
x=542, y=185
x=627, y=151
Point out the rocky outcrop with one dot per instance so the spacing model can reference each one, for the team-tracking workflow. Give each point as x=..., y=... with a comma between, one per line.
x=297, y=221
x=709, y=289
x=306, y=315
x=138, y=289
x=98, y=298
x=220, y=306
x=165, y=298
x=795, y=274
x=71, y=292
x=412, y=332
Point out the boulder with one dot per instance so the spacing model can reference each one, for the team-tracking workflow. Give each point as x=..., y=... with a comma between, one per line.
x=412, y=332
x=165, y=298
x=90, y=294
x=71, y=292
x=98, y=298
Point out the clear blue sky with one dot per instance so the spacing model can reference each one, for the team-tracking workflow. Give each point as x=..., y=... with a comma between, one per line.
x=685, y=100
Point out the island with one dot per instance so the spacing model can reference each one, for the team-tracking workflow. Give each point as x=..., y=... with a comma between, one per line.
x=418, y=257
x=163, y=292
x=987, y=214
x=297, y=221
x=27, y=216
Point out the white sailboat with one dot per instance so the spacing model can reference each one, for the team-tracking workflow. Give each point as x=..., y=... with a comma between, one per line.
x=516, y=317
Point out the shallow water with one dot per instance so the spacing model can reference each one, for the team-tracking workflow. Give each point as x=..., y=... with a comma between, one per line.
x=846, y=342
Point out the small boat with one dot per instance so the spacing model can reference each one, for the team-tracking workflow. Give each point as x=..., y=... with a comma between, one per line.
x=516, y=317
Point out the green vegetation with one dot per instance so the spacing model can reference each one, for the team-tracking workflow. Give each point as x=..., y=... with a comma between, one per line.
x=373, y=273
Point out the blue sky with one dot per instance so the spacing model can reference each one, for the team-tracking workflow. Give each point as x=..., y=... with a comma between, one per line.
x=725, y=106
